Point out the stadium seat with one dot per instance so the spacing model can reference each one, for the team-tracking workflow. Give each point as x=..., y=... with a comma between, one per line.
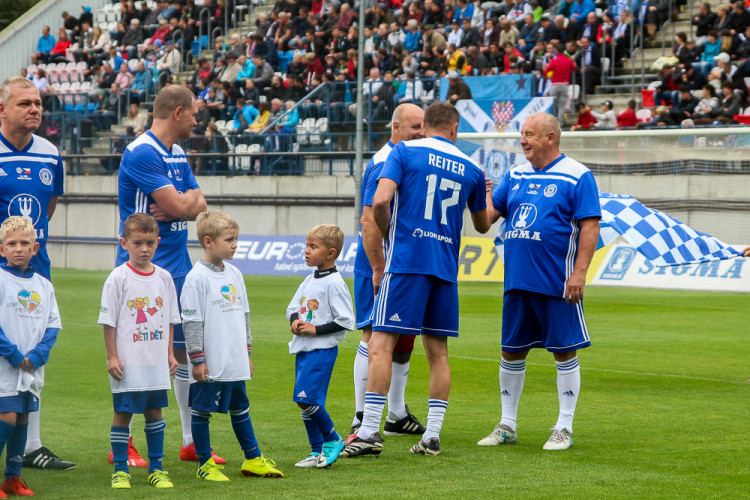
x=70, y=66
x=302, y=138
x=133, y=65
x=308, y=125
x=82, y=66
x=318, y=130
x=220, y=124
x=53, y=77
x=643, y=115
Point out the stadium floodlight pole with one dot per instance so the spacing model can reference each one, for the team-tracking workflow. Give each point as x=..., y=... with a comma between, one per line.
x=358, y=136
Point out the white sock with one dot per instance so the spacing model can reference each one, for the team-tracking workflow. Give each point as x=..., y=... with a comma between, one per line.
x=397, y=392
x=435, y=416
x=34, y=441
x=568, y=387
x=512, y=375
x=374, y=405
x=361, y=366
x=181, y=394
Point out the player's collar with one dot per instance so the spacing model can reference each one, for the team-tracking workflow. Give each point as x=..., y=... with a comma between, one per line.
x=13, y=148
x=161, y=145
x=553, y=162
x=391, y=144
x=15, y=271
x=440, y=138
x=327, y=272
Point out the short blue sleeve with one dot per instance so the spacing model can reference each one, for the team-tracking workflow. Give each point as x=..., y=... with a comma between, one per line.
x=587, y=198
x=371, y=183
x=393, y=168
x=500, y=195
x=477, y=199
x=59, y=186
x=146, y=169
x=190, y=181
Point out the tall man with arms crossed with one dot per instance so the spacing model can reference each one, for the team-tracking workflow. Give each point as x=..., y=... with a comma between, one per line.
x=430, y=183
x=407, y=124
x=552, y=209
x=155, y=178
x=32, y=173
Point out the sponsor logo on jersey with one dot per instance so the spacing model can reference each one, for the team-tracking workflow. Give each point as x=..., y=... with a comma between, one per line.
x=25, y=205
x=421, y=233
x=534, y=188
x=189, y=312
x=395, y=318
x=524, y=216
x=229, y=293
x=550, y=191
x=45, y=175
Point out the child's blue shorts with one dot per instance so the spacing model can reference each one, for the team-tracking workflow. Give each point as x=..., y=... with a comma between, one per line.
x=313, y=374
x=139, y=401
x=23, y=402
x=218, y=397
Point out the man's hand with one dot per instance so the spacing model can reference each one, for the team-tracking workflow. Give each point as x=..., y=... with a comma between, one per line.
x=172, y=365
x=114, y=367
x=158, y=213
x=746, y=252
x=252, y=367
x=200, y=372
x=377, y=278
x=574, y=288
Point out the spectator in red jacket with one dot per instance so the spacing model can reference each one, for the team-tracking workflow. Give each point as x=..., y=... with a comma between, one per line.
x=585, y=119
x=627, y=117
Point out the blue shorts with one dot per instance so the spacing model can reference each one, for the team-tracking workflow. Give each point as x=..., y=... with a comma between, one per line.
x=179, y=336
x=412, y=304
x=312, y=374
x=218, y=397
x=23, y=402
x=139, y=401
x=364, y=297
x=536, y=320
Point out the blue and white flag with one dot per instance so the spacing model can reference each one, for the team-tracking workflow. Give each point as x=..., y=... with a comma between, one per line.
x=662, y=239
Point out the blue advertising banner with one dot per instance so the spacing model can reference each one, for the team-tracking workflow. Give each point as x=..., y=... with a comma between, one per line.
x=285, y=256
x=494, y=86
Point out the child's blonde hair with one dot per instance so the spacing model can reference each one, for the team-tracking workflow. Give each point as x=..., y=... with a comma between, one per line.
x=330, y=234
x=213, y=223
x=17, y=223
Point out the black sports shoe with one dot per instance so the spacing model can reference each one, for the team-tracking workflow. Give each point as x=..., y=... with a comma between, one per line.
x=42, y=458
x=407, y=425
x=356, y=446
x=431, y=447
x=355, y=427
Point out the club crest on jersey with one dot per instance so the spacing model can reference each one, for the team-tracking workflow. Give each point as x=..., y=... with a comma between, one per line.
x=45, y=175
x=550, y=191
x=29, y=299
x=26, y=206
x=229, y=293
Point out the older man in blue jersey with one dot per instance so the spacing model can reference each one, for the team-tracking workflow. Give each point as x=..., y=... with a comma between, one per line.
x=551, y=205
x=419, y=204
x=32, y=174
x=155, y=178
x=406, y=125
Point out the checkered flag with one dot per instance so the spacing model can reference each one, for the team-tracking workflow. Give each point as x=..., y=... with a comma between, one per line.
x=663, y=240
x=502, y=113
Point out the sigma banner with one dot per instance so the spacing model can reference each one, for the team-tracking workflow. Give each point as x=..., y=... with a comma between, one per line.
x=285, y=256
x=494, y=86
x=625, y=266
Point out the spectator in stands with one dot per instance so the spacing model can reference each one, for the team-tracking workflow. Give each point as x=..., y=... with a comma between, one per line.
x=517, y=11
x=44, y=46
x=743, y=47
x=627, y=118
x=244, y=116
x=410, y=89
x=508, y=33
x=169, y=64
x=382, y=102
x=140, y=83
x=40, y=80
x=621, y=38
x=580, y=10
x=123, y=77
x=233, y=68
x=70, y=24
x=565, y=9
x=711, y=49
x=680, y=49
x=476, y=61
x=470, y=37
x=456, y=33
x=683, y=105
x=215, y=103
x=202, y=117
x=730, y=106
x=261, y=121
x=547, y=30
x=661, y=118
x=709, y=105
x=413, y=38
x=607, y=119
x=656, y=12
x=118, y=33
x=135, y=119
x=277, y=89
x=161, y=33
x=84, y=42
x=202, y=70
x=57, y=54
x=318, y=107
x=528, y=35
x=488, y=35
x=370, y=88
x=692, y=77
x=107, y=76
x=588, y=61
x=132, y=38
x=290, y=120
x=703, y=22
x=263, y=72
x=590, y=27
x=496, y=58
x=561, y=68
x=668, y=86
x=457, y=88
x=463, y=9
x=456, y=60
x=585, y=119
x=296, y=89
x=220, y=65
x=101, y=44
x=739, y=19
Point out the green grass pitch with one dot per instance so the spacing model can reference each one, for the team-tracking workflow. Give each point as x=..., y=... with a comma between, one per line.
x=663, y=411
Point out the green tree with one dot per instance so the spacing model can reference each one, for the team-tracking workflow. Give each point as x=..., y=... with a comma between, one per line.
x=12, y=10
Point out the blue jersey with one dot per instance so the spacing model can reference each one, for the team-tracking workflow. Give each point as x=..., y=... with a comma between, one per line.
x=369, y=186
x=542, y=208
x=436, y=181
x=29, y=178
x=148, y=166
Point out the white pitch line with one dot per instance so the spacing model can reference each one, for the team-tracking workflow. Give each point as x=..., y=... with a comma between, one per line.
x=621, y=372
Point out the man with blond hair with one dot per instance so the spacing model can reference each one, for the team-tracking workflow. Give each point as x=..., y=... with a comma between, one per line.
x=32, y=172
